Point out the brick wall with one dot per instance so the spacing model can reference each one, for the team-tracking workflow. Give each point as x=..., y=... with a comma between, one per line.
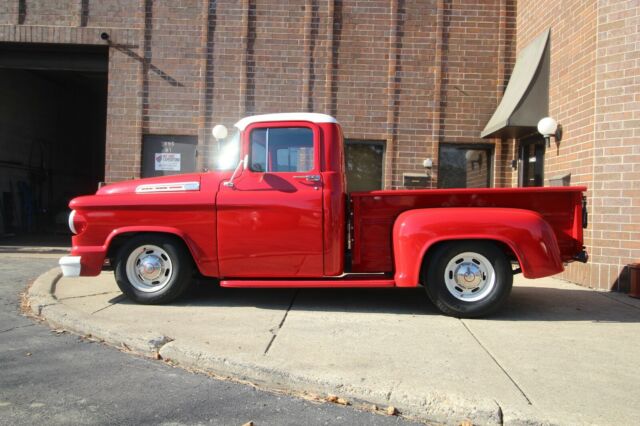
x=616, y=170
x=412, y=73
x=594, y=88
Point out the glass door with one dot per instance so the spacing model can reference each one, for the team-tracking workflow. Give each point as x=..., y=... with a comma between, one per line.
x=531, y=161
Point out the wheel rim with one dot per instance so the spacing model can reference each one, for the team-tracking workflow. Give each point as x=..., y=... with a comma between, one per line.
x=469, y=277
x=149, y=268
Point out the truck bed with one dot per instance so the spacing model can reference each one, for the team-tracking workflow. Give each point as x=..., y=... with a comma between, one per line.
x=374, y=213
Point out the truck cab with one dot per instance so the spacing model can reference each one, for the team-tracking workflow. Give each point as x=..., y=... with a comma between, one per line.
x=275, y=213
x=284, y=210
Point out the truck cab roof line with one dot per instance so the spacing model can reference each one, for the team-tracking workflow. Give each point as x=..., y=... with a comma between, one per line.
x=288, y=116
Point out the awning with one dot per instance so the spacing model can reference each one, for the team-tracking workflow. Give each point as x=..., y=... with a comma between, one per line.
x=526, y=99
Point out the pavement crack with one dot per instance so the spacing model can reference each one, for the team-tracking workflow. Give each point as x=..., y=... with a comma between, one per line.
x=87, y=295
x=497, y=363
x=16, y=327
x=500, y=413
x=615, y=299
x=274, y=331
x=41, y=307
x=116, y=300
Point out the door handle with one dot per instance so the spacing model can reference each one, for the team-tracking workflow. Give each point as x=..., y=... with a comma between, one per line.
x=309, y=178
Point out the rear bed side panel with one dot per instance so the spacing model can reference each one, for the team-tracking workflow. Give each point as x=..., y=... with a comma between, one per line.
x=528, y=235
x=375, y=213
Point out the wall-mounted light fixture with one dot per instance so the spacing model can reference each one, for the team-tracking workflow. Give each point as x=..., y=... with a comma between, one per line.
x=219, y=132
x=549, y=127
x=428, y=165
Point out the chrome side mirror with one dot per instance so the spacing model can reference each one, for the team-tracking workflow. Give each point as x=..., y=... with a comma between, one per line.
x=242, y=164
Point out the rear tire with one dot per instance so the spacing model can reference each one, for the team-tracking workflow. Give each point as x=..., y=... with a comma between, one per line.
x=468, y=279
x=153, y=269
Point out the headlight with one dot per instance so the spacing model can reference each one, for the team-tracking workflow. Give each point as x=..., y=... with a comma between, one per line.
x=77, y=222
x=72, y=226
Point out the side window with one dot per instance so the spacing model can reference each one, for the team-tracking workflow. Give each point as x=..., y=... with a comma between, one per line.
x=282, y=149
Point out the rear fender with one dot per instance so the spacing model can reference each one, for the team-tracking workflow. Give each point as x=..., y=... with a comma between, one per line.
x=525, y=232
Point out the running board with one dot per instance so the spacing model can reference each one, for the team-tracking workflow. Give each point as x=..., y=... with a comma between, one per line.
x=319, y=283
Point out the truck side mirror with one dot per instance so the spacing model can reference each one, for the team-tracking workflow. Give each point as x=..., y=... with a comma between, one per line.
x=241, y=165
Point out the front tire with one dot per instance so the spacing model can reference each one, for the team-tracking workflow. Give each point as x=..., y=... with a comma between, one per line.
x=468, y=279
x=153, y=269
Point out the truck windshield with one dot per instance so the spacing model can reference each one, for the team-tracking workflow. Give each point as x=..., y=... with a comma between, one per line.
x=228, y=154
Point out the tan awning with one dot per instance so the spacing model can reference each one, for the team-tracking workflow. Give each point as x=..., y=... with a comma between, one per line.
x=526, y=99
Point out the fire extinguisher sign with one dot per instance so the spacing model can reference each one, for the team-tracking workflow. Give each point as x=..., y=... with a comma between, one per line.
x=167, y=161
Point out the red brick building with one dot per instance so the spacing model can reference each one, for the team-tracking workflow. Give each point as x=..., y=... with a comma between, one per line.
x=408, y=80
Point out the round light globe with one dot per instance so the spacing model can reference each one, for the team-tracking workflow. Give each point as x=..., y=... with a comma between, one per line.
x=219, y=132
x=547, y=126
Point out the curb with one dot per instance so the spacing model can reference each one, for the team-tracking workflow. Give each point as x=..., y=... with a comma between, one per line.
x=44, y=304
x=34, y=250
x=438, y=407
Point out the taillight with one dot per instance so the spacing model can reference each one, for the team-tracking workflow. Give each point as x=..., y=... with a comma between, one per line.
x=77, y=222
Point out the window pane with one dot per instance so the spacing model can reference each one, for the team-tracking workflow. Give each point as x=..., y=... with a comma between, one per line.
x=292, y=148
x=258, y=161
x=364, y=161
x=289, y=150
x=464, y=167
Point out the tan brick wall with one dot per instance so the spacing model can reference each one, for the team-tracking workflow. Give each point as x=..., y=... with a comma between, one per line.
x=594, y=89
x=616, y=171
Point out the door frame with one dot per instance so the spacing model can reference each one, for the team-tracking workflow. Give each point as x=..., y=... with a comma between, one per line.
x=538, y=142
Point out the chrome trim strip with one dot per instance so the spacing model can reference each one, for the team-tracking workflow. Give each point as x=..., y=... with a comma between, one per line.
x=168, y=187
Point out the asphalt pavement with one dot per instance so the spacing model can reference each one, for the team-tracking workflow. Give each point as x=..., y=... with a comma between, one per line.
x=49, y=377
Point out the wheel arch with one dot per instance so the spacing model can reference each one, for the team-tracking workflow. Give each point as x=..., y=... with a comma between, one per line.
x=119, y=237
x=417, y=233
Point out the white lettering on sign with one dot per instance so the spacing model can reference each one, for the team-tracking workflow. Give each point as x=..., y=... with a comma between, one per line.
x=167, y=161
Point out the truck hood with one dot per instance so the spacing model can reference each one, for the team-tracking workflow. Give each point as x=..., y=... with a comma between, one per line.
x=173, y=183
x=192, y=188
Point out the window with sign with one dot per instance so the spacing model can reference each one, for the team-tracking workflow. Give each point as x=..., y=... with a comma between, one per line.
x=281, y=149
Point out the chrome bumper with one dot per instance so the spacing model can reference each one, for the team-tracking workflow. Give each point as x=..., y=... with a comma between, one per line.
x=70, y=266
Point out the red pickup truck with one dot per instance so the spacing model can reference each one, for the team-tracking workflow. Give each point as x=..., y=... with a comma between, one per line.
x=277, y=214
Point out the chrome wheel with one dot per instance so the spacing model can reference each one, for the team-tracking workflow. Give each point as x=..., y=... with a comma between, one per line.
x=149, y=268
x=469, y=277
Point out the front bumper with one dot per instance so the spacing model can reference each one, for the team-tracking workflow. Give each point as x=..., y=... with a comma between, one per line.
x=70, y=266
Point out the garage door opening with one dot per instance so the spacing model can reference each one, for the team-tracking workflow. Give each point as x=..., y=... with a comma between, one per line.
x=52, y=134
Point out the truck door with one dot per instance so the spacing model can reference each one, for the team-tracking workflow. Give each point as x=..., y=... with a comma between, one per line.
x=270, y=221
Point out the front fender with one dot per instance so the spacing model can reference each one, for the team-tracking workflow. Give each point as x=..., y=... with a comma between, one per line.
x=525, y=232
x=92, y=257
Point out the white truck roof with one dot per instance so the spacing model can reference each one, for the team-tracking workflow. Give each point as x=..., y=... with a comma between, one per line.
x=288, y=116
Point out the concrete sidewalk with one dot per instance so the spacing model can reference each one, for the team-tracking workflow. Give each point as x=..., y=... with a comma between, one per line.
x=558, y=354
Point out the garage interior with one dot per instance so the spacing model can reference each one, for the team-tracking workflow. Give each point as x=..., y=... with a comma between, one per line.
x=53, y=107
